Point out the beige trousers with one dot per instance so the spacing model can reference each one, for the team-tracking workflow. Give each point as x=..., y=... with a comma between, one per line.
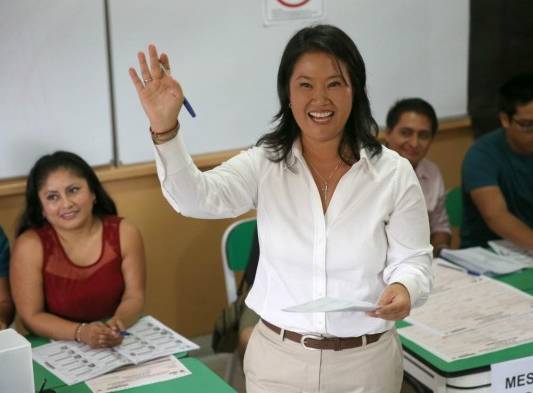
x=274, y=365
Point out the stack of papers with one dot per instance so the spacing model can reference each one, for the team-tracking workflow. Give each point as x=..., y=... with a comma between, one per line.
x=74, y=362
x=469, y=315
x=507, y=249
x=482, y=261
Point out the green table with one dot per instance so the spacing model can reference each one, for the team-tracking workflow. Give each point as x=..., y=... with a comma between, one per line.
x=453, y=374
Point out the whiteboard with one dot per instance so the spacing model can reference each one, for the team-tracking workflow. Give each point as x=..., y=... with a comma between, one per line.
x=53, y=81
x=227, y=61
x=56, y=86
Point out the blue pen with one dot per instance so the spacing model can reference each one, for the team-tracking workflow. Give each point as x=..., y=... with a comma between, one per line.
x=185, y=101
x=124, y=333
x=188, y=107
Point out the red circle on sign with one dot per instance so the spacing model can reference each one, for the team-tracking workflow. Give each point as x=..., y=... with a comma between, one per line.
x=293, y=5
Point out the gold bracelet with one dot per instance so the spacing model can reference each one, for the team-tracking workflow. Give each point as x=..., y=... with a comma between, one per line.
x=162, y=137
x=77, y=333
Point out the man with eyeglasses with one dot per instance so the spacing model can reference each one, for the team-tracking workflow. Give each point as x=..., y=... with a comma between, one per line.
x=497, y=173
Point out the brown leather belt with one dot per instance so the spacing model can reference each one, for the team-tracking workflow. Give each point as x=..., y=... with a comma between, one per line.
x=328, y=343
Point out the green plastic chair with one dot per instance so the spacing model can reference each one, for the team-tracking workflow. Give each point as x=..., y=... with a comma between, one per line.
x=454, y=206
x=236, y=246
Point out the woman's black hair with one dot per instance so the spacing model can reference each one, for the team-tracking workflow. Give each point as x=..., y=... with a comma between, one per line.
x=32, y=217
x=360, y=130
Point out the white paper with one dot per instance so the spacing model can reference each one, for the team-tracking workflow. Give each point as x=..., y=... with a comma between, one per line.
x=481, y=260
x=158, y=370
x=490, y=338
x=150, y=339
x=461, y=302
x=74, y=362
x=328, y=304
x=512, y=251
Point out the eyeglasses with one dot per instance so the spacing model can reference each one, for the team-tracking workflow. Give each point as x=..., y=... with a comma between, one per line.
x=524, y=125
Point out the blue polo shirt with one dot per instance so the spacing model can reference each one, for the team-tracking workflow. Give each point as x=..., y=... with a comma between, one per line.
x=491, y=162
x=4, y=254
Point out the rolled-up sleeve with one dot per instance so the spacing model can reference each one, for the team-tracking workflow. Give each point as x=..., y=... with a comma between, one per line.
x=228, y=190
x=409, y=250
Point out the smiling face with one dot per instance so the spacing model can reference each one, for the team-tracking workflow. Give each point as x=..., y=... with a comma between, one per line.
x=320, y=97
x=66, y=199
x=411, y=137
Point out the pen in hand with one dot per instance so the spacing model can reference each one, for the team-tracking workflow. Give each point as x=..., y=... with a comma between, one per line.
x=188, y=107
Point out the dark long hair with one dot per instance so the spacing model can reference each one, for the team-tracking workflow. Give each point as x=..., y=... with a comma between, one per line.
x=32, y=217
x=360, y=130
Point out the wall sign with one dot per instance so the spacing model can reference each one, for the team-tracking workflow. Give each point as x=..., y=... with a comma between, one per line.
x=282, y=11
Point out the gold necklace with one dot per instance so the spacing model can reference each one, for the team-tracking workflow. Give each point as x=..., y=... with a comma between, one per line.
x=324, y=188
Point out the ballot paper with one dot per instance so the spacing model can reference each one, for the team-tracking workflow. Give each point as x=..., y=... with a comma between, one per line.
x=329, y=304
x=158, y=370
x=74, y=362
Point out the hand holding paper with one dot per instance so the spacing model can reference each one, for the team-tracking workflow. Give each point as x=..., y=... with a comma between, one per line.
x=394, y=304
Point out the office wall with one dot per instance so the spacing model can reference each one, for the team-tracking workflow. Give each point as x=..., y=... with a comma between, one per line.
x=56, y=85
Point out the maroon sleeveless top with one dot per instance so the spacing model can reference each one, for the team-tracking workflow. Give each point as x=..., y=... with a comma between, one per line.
x=83, y=293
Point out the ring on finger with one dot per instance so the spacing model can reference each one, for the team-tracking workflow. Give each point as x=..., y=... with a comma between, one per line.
x=147, y=80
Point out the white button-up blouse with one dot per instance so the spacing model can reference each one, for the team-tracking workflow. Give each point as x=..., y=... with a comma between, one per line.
x=375, y=231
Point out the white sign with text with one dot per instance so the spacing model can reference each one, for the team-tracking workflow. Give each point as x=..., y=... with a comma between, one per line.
x=514, y=376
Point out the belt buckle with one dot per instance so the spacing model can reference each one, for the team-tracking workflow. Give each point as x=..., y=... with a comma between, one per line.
x=302, y=341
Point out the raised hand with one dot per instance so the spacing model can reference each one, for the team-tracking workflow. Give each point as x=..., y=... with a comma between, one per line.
x=160, y=94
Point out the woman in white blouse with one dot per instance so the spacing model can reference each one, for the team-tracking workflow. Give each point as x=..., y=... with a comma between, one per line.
x=337, y=215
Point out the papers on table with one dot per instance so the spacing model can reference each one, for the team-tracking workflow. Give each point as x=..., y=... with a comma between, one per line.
x=469, y=315
x=329, y=304
x=490, y=338
x=158, y=370
x=482, y=261
x=507, y=249
x=74, y=362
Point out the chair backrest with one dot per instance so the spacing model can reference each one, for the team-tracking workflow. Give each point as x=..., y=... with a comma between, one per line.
x=454, y=206
x=236, y=246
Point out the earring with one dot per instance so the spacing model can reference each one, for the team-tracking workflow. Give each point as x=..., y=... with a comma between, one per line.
x=290, y=106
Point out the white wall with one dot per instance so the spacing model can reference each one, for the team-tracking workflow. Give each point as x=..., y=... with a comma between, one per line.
x=222, y=54
x=54, y=87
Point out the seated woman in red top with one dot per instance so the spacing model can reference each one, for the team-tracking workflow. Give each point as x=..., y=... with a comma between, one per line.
x=77, y=270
